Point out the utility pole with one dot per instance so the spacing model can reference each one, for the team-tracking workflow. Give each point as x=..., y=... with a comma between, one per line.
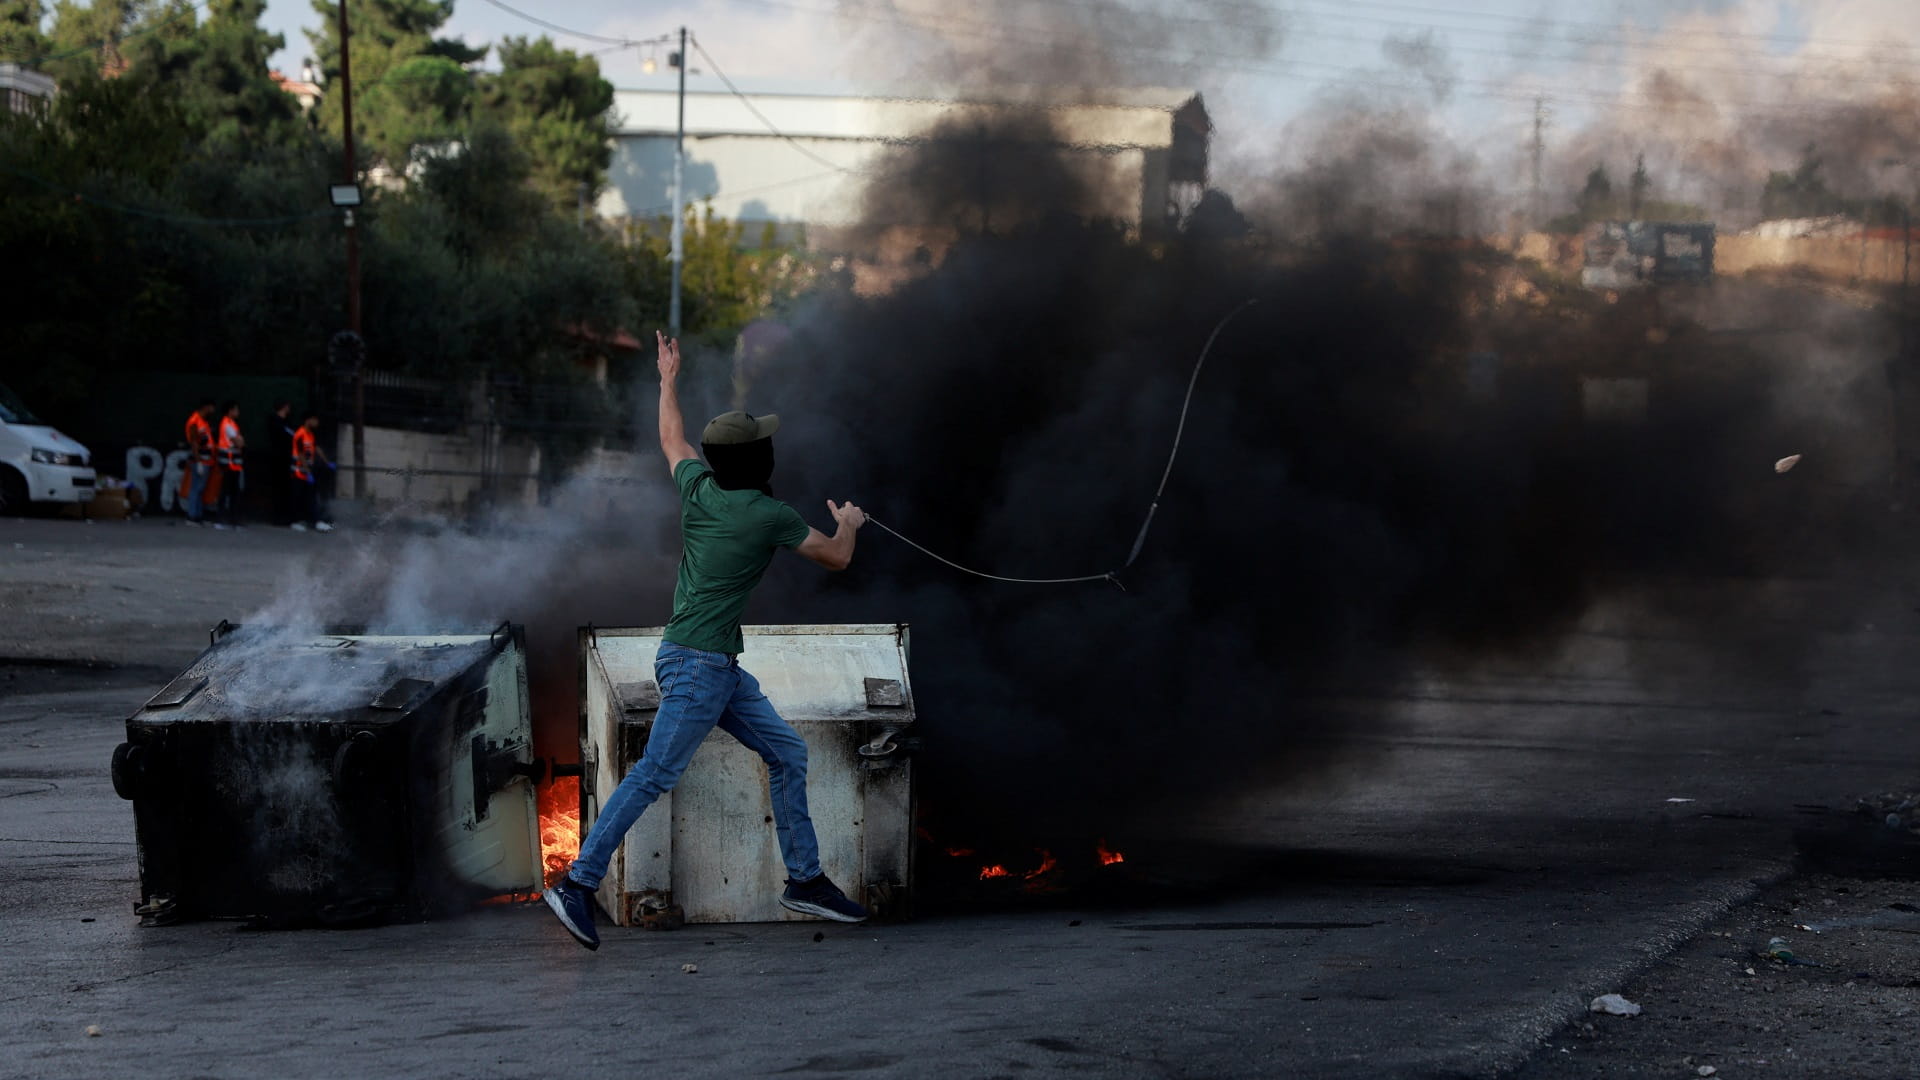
x=678, y=257
x=1535, y=206
x=353, y=268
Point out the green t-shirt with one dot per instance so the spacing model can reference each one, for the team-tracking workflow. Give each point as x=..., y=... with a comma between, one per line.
x=727, y=538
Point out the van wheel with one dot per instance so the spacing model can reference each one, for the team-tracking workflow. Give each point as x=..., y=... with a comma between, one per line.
x=13, y=492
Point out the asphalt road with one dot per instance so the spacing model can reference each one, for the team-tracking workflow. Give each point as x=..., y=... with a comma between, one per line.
x=1445, y=908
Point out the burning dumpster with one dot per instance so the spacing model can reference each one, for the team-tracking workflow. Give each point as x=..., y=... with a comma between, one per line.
x=344, y=777
x=705, y=852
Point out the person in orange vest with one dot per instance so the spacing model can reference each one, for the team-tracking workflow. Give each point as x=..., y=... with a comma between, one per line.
x=229, y=450
x=306, y=486
x=200, y=472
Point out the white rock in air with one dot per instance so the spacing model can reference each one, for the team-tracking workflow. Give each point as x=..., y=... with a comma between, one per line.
x=1614, y=1005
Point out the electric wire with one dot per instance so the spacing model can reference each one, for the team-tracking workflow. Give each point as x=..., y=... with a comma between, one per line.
x=663, y=209
x=570, y=32
x=1139, y=540
x=1603, y=28
x=1614, y=35
x=1598, y=97
x=755, y=109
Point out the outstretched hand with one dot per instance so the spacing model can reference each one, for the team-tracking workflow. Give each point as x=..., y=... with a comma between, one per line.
x=847, y=514
x=669, y=356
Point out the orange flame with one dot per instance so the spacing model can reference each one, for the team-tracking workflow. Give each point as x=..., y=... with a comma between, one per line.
x=989, y=872
x=1108, y=857
x=559, y=826
x=1047, y=863
x=960, y=852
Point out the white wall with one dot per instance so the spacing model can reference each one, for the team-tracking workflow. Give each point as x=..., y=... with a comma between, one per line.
x=437, y=472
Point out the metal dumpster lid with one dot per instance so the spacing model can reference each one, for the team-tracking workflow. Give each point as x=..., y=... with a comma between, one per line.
x=837, y=671
x=268, y=675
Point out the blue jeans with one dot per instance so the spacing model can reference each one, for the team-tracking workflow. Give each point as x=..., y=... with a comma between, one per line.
x=197, y=489
x=697, y=691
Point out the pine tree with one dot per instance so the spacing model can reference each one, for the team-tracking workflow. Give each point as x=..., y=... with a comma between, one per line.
x=1639, y=187
x=409, y=88
x=218, y=74
x=556, y=106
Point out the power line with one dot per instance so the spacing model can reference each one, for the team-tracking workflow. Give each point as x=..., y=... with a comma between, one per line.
x=1028, y=34
x=667, y=208
x=1601, y=33
x=1599, y=63
x=755, y=110
x=1523, y=20
x=569, y=32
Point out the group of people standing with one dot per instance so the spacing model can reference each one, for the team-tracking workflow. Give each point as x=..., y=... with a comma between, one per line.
x=216, y=476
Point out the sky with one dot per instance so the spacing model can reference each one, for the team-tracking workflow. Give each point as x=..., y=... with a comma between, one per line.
x=1272, y=71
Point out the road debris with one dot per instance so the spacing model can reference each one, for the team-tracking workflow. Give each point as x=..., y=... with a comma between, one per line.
x=93, y=1030
x=1896, y=810
x=1614, y=1005
x=1778, y=949
x=689, y=969
x=1896, y=917
x=1786, y=463
x=1705, y=1070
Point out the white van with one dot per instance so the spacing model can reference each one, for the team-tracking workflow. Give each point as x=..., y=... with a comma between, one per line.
x=37, y=463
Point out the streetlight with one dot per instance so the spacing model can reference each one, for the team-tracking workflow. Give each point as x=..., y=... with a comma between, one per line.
x=677, y=258
x=349, y=190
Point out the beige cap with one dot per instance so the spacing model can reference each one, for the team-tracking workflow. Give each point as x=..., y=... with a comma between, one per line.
x=734, y=428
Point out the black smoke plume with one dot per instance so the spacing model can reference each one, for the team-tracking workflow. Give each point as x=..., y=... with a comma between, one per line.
x=1347, y=509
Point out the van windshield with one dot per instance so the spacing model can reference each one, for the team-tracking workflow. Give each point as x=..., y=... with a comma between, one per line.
x=13, y=410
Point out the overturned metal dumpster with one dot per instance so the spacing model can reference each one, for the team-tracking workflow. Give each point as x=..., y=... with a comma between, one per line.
x=705, y=853
x=334, y=778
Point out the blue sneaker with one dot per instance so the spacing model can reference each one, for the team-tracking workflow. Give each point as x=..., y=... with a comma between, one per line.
x=821, y=897
x=572, y=904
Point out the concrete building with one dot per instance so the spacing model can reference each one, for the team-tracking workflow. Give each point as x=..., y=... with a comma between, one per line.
x=26, y=91
x=806, y=159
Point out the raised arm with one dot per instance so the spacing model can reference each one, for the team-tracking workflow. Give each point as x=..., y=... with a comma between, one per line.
x=834, y=552
x=673, y=429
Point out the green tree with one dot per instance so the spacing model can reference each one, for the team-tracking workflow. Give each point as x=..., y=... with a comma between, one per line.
x=557, y=107
x=1638, y=187
x=218, y=74
x=1595, y=201
x=1800, y=193
x=86, y=38
x=21, y=41
x=105, y=202
x=409, y=87
x=725, y=283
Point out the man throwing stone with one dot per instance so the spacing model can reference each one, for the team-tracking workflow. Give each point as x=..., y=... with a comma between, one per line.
x=730, y=527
